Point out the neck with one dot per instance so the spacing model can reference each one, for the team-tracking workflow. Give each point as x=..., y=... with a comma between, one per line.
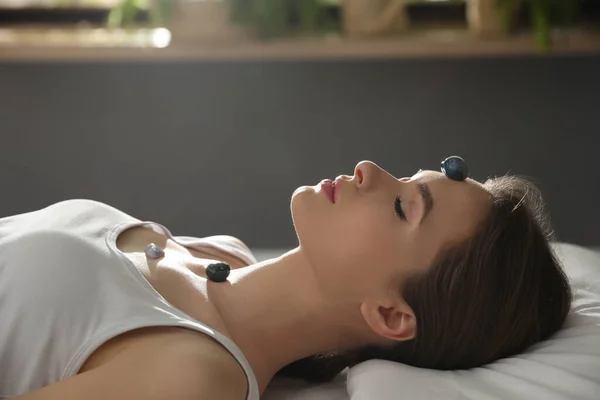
x=276, y=313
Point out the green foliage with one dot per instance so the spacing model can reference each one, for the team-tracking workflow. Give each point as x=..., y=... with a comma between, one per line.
x=277, y=18
x=124, y=14
x=268, y=18
x=544, y=14
x=159, y=12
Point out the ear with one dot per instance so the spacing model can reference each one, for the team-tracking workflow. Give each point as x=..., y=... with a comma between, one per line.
x=395, y=321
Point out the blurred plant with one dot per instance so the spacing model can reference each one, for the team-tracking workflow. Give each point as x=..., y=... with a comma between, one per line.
x=126, y=13
x=544, y=16
x=276, y=18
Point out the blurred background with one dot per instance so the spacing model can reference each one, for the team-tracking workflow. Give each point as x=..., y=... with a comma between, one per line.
x=206, y=115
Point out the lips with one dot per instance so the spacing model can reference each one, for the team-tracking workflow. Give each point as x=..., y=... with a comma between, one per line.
x=328, y=188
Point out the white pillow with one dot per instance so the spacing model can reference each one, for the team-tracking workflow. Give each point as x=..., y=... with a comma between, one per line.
x=565, y=367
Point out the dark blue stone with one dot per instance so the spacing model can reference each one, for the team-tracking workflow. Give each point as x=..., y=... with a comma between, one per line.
x=218, y=272
x=455, y=168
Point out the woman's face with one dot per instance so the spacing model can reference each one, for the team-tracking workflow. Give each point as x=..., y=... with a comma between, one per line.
x=363, y=242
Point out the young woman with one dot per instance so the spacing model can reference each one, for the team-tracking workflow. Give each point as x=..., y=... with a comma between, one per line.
x=433, y=270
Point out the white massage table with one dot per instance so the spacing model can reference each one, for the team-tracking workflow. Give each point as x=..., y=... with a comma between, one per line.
x=283, y=389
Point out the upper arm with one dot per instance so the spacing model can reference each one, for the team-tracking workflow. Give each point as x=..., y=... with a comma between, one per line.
x=111, y=382
x=222, y=384
x=150, y=378
x=218, y=374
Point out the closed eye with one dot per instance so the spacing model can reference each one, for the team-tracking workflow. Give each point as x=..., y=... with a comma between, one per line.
x=398, y=209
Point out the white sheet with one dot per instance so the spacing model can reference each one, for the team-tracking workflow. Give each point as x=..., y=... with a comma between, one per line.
x=284, y=389
x=565, y=367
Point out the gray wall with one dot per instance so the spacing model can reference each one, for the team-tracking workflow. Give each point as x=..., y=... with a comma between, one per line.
x=218, y=147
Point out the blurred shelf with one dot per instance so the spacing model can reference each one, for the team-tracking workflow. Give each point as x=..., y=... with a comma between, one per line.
x=56, y=4
x=99, y=45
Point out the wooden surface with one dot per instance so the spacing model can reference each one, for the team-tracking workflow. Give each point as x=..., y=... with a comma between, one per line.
x=441, y=43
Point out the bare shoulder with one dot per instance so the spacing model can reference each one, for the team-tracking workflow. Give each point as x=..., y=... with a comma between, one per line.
x=198, y=364
x=217, y=373
x=171, y=373
x=193, y=365
x=179, y=368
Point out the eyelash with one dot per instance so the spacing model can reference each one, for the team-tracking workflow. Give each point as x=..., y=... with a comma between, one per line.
x=398, y=208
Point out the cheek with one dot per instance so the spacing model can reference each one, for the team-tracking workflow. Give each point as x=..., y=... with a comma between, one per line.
x=368, y=231
x=346, y=240
x=360, y=244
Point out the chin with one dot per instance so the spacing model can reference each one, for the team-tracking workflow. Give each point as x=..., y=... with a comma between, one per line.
x=301, y=190
x=301, y=196
x=300, y=207
x=297, y=198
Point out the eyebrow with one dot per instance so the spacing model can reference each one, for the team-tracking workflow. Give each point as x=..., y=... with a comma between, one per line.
x=427, y=200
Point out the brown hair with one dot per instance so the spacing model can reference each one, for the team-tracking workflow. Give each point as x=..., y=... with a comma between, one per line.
x=489, y=297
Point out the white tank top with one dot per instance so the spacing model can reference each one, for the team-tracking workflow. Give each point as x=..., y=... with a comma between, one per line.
x=65, y=289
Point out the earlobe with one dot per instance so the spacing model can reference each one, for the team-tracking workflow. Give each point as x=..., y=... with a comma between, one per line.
x=396, y=322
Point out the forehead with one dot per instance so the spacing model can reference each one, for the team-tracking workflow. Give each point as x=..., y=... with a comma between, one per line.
x=426, y=174
x=458, y=206
x=429, y=176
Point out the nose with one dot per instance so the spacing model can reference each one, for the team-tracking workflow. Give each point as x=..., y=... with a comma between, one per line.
x=369, y=175
x=366, y=174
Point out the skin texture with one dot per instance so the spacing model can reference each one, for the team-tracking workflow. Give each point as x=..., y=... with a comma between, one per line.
x=338, y=290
